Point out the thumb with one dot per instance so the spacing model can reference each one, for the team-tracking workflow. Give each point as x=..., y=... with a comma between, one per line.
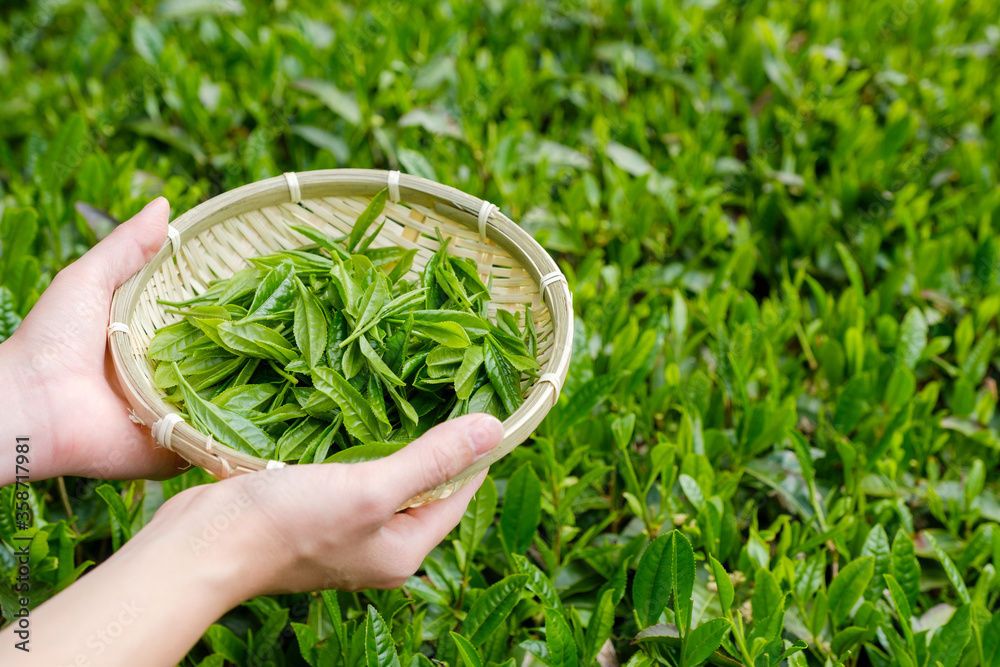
x=129, y=246
x=435, y=457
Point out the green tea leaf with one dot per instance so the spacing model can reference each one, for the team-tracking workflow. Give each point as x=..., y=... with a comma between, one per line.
x=912, y=338
x=255, y=340
x=18, y=230
x=376, y=364
x=852, y=268
x=653, y=581
x=444, y=333
x=380, y=650
x=119, y=514
x=905, y=566
x=723, y=584
x=478, y=517
x=343, y=104
x=468, y=372
x=370, y=306
x=954, y=576
x=367, y=452
x=359, y=420
x=310, y=327
x=991, y=642
x=521, y=513
x=492, y=608
x=559, y=639
x=470, y=656
x=502, y=376
x=849, y=585
x=367, y=217
x=877, y=546
x=903, y=609
x=226, y=426
x=949, y=642
x=275, y=293
x=169, y=342
x=703, y=640
x=683, y=581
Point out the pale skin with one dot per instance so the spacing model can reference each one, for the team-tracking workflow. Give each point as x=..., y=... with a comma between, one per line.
x=207, y=549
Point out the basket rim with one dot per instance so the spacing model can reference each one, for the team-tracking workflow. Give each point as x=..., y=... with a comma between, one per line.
x=297, y=187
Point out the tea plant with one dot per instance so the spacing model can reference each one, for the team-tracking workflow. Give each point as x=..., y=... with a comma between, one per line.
x=778, y=441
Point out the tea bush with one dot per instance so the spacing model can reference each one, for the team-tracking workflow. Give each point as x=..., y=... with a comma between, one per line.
x=778, y=440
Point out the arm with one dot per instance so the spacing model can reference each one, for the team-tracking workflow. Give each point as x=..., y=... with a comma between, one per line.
x=298, y=528
x=211, y=547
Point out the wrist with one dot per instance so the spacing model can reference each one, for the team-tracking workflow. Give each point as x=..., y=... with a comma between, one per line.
x=214, y=531
x=22, y=415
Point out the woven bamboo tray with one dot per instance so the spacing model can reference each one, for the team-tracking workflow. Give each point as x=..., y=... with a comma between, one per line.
x=214, y=240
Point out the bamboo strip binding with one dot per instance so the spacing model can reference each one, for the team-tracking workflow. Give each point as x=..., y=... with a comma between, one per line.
x=214, y=239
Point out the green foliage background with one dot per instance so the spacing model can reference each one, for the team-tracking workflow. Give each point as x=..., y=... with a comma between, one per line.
x=777, y=219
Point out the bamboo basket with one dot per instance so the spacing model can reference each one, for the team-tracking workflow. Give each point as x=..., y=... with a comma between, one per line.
x=213, y=241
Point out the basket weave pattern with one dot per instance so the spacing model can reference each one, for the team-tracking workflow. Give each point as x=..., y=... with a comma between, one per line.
x=214, y=240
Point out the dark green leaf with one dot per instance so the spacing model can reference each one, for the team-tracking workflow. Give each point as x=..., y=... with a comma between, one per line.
x=380, y=650
x=848, y=586
x=502, y=376
x=521, y=509
x=704, y=640
x=492, y=608
x=559, y=639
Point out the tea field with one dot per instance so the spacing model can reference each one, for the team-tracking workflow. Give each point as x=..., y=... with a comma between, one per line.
x=778, y=442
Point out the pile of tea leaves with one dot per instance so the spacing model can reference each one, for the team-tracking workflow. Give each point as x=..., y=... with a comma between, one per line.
x=311, y=352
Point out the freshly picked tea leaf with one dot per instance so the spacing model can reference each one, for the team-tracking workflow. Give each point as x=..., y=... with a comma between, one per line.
x=316, y=350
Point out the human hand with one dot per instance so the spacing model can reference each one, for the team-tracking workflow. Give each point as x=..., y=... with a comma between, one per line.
x=66, y=395
x=323, y=526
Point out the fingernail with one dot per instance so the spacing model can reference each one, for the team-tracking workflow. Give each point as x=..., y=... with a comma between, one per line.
x=159, y=201
x=484, y=434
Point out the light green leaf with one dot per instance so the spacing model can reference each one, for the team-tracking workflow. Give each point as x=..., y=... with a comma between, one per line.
x=367, y=217
x=912, y=338
x=147, y=39
x=343, y=104
x=723, y=583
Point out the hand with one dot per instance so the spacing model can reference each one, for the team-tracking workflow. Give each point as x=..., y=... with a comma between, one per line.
x=316, y=527
x=67, y=397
